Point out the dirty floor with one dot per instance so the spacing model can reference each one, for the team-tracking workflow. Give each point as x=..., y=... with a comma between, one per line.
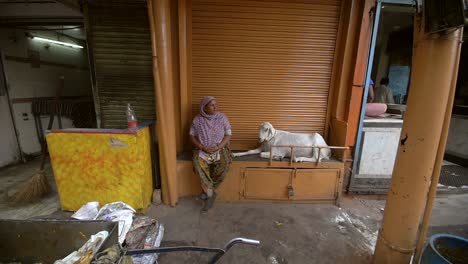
x=289, y=233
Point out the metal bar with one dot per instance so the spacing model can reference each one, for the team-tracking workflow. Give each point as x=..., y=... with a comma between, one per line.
x=366, y=89
x=237, y=240
x=399, y=2
x=288, y=146
x=271, y=156
x=231, y=243
x=318, y=157
x=92, y=64
x=293, y=147
x=292, y=156
x=37, y=121
x=171, y=249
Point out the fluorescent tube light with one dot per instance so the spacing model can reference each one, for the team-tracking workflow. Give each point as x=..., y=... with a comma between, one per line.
x=58, y=42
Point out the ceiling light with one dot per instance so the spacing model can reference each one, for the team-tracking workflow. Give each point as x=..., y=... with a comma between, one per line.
x=58, y=42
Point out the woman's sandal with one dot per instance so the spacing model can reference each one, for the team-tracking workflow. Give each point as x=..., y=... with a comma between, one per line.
x=209, y=202
x=203, y=196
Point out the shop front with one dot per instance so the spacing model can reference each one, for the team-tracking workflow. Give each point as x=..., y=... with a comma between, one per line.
x=294, y=64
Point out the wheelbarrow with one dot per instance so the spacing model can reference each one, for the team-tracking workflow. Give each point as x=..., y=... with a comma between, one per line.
x=219, y=252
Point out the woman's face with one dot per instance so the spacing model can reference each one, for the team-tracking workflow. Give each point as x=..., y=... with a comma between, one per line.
x=211, y=107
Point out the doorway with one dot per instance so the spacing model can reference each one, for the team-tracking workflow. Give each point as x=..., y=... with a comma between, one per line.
x=389, y=68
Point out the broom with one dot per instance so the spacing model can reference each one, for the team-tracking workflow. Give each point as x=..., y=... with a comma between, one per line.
x=33, y=189
x=38, y=186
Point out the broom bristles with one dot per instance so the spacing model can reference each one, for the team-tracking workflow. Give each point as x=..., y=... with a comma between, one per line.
x=32, y=190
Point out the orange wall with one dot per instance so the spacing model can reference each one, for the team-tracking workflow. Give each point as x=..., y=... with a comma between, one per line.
x=357, y=89
x=349, y=71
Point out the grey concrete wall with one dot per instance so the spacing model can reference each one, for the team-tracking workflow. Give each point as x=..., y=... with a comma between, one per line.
x=29, y=81
x=457, y=141
x=9, y=151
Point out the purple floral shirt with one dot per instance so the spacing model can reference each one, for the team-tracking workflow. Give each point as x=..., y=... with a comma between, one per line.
x=210, y=131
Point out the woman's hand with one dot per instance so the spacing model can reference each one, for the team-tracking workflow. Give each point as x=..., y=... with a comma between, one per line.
x=210, y=149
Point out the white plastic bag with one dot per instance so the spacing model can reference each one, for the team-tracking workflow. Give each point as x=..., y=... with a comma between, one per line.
x=84, y=254
x=118, y=212
x=153, y=240
x=113, y=207
x=88, y=211
x=115, y=212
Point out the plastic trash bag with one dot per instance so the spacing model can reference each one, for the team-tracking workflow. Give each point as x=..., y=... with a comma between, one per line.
x=152, y=240
x=114, y=212
x=88, y=211
x=138, y=232
x=113, y=207
x=87, y=251
x=118, y=212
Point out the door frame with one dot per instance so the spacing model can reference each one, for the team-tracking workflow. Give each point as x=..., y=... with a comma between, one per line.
x=10, y=106
x=370, y=63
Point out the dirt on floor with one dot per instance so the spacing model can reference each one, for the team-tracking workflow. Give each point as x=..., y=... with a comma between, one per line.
x=289, y=233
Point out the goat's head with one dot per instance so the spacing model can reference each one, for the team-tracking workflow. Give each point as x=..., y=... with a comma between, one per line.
x=266, y=132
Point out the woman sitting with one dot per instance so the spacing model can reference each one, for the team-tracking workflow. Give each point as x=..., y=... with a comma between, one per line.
x=210, y=133
x=374, y=109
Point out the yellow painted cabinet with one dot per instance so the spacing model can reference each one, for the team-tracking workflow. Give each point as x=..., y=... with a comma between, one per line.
x=104, y=165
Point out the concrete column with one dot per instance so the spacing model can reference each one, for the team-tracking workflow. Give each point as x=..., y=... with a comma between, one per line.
x=160, y=24
x=434, y=63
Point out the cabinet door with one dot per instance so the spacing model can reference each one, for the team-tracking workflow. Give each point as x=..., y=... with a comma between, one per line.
x=268, y=184
x=315, y=184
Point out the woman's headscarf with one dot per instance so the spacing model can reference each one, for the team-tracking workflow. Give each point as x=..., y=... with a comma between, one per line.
x=206, y=100
x=210, y=129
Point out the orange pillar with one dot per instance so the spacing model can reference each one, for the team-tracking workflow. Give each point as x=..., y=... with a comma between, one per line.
x=160, y=24
x=434, y=64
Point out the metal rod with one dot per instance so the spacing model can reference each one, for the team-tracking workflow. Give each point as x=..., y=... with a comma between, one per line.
x=318, y=157
x=231, y=243
x=171, y=249
x=289, y=146
x=292, y=156
x=271, y=156
x=293, y=147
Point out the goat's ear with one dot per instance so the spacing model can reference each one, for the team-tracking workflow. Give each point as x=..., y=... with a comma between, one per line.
x=269, y=131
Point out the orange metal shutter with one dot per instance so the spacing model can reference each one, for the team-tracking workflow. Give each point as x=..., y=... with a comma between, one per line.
x=264, y=61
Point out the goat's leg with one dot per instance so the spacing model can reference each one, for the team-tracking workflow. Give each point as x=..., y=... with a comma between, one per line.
x=278, y=157
x=266, y=155
x=249, y=152
x=304, y=159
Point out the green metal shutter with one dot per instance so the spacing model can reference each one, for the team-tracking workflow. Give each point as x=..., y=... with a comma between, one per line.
x=120, y=44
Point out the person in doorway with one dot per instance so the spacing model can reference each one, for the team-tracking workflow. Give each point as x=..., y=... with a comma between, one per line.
x=383, y=93
x=210, y=134
x=370, y=93
x=374, y=109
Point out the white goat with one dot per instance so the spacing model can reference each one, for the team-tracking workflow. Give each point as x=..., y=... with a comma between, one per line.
x=269, y=136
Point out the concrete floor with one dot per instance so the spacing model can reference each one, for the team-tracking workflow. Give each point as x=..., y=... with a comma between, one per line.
x=289, y=233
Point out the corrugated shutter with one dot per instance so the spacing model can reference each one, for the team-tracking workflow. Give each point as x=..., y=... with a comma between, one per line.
x=121, y=46
x=265, y=61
